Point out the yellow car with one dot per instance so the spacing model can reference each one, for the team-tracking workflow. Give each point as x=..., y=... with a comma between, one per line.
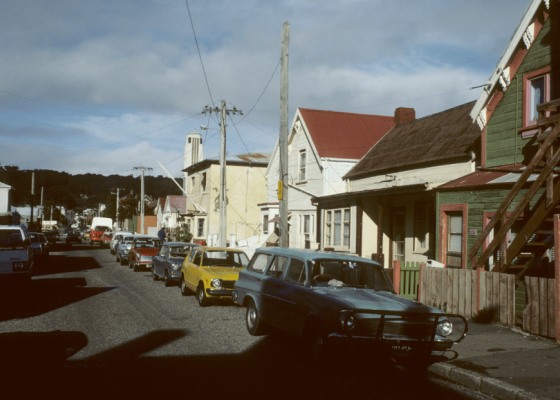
x=211, y=272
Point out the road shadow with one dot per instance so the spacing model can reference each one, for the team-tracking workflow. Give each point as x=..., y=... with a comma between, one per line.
x=58, y=264
x=276, y=367
x=19, y=299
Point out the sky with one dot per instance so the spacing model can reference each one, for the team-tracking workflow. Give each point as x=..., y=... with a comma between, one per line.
x=104, y=86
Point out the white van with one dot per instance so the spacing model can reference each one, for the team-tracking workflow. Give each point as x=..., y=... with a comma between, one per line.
x=16, y=252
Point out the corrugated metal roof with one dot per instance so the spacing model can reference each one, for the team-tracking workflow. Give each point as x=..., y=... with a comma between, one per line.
x=177, y=203
x=344, y=135
x=446, y=135
x=488, y=178
x=252, y=157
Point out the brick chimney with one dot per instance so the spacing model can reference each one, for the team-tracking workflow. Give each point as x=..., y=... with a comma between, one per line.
x=403, y=114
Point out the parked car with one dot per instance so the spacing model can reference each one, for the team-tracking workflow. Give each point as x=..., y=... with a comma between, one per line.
x=38, y=250
x=332, y=300
x=106, y=239
x=168, y=261
x=123, y=248
x=117, y=238
x=211, y=272
x=141, y=252
x=73, y=237
x=85, y=236
x=16, y=252
x=52, y=236
x=45, y=243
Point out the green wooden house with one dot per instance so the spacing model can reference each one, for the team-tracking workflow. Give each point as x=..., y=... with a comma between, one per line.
x=499, y=218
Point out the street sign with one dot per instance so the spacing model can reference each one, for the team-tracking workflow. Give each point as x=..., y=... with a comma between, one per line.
x=280, y=191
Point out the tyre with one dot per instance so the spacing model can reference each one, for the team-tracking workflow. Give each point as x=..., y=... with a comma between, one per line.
x=166, y=279
x=154, y=276
x=118, y=259
x=255, y=326
x=123, y=262
x=317, y=342
x=130, y=264
x=184, y=289
x=203, y=300
x=135, y=266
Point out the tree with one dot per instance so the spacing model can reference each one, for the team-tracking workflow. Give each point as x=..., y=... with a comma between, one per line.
x=183, y=233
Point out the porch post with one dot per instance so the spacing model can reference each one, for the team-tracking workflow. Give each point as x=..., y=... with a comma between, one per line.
x=557, y=275
x=420, y=273
x=397, y=276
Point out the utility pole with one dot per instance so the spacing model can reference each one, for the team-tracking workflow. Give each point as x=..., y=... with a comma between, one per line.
x=142, y=197
x=42, y=211
x=32, y=196
x=117, y=215
x=223, y=191
x=283, y=139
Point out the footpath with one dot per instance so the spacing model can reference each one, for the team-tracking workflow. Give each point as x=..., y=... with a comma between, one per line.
x=504, y=363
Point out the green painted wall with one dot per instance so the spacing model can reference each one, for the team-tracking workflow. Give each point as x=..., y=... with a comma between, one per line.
x=504, y=144
x=481, y=201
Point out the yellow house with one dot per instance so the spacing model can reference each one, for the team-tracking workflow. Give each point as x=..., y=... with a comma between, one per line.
x=245, y=186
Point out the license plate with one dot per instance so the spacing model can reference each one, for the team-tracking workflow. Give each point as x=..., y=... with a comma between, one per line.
x=401, y=348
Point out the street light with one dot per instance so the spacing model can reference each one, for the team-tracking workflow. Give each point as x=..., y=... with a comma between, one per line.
x=205, y=128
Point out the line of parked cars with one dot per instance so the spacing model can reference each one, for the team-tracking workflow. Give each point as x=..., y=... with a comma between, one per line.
x=330, y=300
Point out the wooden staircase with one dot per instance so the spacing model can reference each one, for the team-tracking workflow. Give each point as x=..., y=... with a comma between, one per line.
x=536, y=235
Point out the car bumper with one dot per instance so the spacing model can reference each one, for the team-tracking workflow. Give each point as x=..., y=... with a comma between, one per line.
x=220, y=292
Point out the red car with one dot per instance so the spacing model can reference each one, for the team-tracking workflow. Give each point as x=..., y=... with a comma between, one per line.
x=141, y=253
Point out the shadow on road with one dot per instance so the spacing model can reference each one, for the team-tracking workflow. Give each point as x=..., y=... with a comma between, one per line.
x=58, y=264
x=275, y=368
x=21, y=300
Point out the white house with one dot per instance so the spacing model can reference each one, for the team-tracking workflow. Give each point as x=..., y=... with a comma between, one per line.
x=322, y=147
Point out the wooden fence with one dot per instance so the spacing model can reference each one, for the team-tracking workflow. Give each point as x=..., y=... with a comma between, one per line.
x=406, y=278
x=491, y=297
x=539, y=315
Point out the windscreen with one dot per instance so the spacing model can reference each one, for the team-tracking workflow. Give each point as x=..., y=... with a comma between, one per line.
x=11, y=239
x=214, y=258
x=180, y=251
x=144, y=244
x=348, y=273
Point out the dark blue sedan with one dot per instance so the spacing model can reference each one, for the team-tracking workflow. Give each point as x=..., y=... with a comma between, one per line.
x=168, y=261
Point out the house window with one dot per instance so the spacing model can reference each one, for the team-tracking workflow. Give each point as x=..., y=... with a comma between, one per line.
x=189, y=225
x=306, y=227
x=539, y=87
x=192, y=184
x=302, y=164
x=265, y=224
x=454, y=240
x=200, y=232
x=423, y=227
x=399, y=234
x=203, y=181
x=337, y=228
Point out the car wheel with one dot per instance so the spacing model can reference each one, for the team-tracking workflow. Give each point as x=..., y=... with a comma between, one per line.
x=184, y=289
x=135, y=267
x=203, y=300
x=118, y=259
x=112, y=252
x=154, y=276
x=317, y=342
x=166, y=279
x=255, y=326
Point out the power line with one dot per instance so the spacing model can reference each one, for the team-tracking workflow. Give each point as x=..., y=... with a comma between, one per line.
x=199, y=55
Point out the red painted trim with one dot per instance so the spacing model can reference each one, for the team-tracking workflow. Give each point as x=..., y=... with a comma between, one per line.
x=493, y=103
x=397, y=276
x=443, y=210
x=557, y=275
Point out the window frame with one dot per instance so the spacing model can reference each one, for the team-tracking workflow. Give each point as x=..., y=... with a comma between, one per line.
x=444, y=211
x=254, y=259
x=302, y=164
x=329, y=228
x=528, y=124
x=265, y=224
x=200, y=227
x=272, y=264
x=302, y=274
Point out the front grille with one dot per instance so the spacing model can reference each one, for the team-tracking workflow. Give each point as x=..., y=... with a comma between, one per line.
x=411, y=329
x=228, y=284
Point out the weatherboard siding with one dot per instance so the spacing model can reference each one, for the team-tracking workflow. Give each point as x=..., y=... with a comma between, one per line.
x=479, y=202
x=504, y=143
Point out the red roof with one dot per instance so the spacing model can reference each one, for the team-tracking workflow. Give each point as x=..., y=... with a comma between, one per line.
x=178, y=204
x=344, y=135
x=162, y=202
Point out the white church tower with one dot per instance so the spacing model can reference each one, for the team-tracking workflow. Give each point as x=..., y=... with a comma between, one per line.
x=193, y=153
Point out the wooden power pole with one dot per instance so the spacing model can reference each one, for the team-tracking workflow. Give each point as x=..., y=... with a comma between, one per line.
x=223, y=188
x=283, y=140
x=142, y=198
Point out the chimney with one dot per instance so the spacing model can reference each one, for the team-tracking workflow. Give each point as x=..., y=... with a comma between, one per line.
x=403, y=115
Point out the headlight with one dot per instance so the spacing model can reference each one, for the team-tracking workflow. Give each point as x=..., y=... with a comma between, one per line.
x=347, y=322
x=175, y=267
x=445, y=327
x=217, y=283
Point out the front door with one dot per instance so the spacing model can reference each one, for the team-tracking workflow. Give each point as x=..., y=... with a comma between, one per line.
x=398, y=235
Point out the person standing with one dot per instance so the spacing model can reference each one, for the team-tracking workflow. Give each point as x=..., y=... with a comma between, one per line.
x=161, y=235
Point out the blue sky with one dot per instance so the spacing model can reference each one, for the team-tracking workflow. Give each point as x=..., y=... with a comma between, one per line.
x=104, y=86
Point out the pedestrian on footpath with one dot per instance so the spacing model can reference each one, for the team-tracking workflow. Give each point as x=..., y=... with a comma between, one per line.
x=161, y=235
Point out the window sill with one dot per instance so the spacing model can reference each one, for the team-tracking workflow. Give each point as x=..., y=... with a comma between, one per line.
x=528, y=132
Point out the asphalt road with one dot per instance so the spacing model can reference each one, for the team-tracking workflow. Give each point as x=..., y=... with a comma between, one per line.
x=88, y=327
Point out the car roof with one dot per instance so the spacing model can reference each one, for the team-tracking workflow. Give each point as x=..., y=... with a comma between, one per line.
x=308, y=254
x=181, y=244
x=208, y=248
